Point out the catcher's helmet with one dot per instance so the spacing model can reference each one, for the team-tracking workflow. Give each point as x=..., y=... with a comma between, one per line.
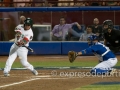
x=109, y=23
x=92, y=38
x=28, y=21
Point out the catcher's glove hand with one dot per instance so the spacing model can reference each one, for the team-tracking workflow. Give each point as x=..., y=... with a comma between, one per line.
x=72, y=55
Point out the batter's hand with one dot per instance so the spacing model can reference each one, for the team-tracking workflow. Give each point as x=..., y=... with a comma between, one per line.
x=20, y=43
x=72, y=55
x=18, y=33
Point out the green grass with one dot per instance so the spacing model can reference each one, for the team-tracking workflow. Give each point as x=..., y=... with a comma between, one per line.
x=51, y=64
x=55, y=64
x=62, y=63
x=99, y=87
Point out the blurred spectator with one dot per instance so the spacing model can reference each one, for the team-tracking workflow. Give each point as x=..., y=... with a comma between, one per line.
x=103, y=3
x=67, y=17
x=51, y=4
x=19, y=4
x=95, y=3
x=22, y=4
x=85, y=35
x=1, y=3
x=96, y=28
x=38, y=3
x=80, y=3
x=47, y=4
x=22, y=18
x=110, y=3
x=7, y=3
x=76, y=32
x=87, y=4
x=66, y=4
x=9, y=24
x=118, y=3
x=60, y=31
x=28, y=4
x=42, y=3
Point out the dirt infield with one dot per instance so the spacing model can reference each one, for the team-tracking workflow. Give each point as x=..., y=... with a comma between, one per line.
x=57, y=79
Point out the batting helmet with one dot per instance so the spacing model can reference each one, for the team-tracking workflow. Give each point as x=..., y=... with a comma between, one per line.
x=109, y=23
x=92, y=38
x=28, y=21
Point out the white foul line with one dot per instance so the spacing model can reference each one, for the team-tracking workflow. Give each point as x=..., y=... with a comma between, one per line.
x=19, y=82
x=16, y=83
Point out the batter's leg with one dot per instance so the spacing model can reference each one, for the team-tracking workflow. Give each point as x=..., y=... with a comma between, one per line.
x=10, y=60
x=23, y=56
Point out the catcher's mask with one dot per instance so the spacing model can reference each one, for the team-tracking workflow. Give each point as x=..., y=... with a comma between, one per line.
x=92, y=38
x=107, y=24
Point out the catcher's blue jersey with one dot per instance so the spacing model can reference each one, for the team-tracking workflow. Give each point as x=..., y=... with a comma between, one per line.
x=100, y=49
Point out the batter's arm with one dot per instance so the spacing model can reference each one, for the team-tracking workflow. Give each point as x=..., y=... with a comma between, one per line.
x=18, y=34
x=12, y=40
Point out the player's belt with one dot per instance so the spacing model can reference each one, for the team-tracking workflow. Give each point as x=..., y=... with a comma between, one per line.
x=105, y=52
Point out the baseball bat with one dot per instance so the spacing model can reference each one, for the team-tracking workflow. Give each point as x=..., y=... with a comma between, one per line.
x=30, y=49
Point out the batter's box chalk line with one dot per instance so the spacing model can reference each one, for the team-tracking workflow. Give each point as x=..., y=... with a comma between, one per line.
x=29, y=80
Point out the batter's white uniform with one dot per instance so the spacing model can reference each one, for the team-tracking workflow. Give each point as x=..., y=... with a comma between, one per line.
x=19, y=50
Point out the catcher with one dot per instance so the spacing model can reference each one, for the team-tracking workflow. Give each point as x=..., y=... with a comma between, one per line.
x=109, y=59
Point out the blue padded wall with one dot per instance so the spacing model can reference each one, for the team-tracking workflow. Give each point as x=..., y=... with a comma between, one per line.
x=94, y=8
x=87, y=8
x=31, y=9
x=76, y=46
x=7, y=9
x=5, y=48
x=48, y=48
x=115, y=8
x=40, y=48
x=63, y=9
x=44, y=48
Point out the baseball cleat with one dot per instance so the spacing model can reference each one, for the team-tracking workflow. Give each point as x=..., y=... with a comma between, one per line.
x=113, y=71
x=6, y=74
x=35, y=72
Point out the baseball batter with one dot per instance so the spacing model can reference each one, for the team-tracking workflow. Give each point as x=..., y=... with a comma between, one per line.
x=23, y=36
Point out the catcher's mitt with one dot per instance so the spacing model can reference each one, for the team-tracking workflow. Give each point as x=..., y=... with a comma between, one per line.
x=72, y=55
